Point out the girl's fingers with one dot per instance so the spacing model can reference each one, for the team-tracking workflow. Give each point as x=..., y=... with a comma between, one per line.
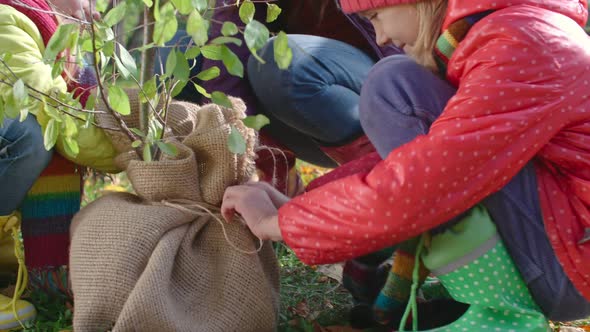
x=228, y=210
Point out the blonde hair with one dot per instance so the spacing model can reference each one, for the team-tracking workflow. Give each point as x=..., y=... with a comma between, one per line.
x=431, y=14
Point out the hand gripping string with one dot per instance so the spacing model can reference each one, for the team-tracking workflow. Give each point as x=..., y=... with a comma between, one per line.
x=203, y=209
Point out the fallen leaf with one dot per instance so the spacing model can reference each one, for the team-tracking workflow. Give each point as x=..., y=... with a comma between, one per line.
x=334, y=271
x=301, y=309
x=570, y=329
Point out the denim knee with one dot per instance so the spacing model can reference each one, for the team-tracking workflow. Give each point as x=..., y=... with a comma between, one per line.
x=23, y=141
x=399, y=101
x=22, y=158
x=318, y=94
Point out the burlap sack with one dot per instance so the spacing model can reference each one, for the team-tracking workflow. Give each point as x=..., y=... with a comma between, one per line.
x=145, y=262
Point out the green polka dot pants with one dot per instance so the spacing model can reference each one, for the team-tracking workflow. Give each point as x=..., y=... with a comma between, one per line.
x=499, y=298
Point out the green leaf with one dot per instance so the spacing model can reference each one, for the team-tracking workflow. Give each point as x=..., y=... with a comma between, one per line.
x=20, y=93
x=23, y=114
x=71, y=147
x=272, y=12
x=229, y=29
x=156, y=8
x=73, y=41
x=209, y=74
x=212, y=52
x=165, y=28
x=137, y=132
x=127, y=59
x=256, y=122
x=104, y=32
x=90, y=102
x=282, y=52
x=86, y=45
x=247, y=11
x=57, y=69
x=200, y=5
x=6, y=56
x=235, y=142
x=136, y=144
x=51, y=134
x=108, y=48
x=197, y=28
x=124, y=71
x=102, y=5
x=119, y=100
x=59, y=41
x=147, y=153
x=221, y=99
x=184, y=6
x=70, y=126
x=11, y=108
x=192, y=52
x=232, y=63
x=2, y=112
x=170, y=64
x=150, y=89
x=227, y=40
x=51, y=111
x=167, y=148
x=202, y=90
x=116, y=14
x=148, y=3
x=178, y=88
x=256, y=35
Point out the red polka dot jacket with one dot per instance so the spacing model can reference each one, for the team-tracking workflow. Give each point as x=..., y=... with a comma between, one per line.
x=523, y=76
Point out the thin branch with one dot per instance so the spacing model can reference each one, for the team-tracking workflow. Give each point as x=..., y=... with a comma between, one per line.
x=64, y=111
x=117, y=116
x=43, y=93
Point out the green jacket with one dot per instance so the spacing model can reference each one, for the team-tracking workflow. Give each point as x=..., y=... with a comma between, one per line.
x=20, y=37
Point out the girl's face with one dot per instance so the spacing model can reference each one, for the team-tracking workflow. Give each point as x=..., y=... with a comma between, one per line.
x=395, y=24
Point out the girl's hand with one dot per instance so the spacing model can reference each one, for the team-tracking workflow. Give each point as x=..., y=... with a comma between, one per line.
x=256, y=207
x=79, y=9
x=278, y=199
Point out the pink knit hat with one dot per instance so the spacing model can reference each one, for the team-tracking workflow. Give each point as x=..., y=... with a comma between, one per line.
x=353, y=6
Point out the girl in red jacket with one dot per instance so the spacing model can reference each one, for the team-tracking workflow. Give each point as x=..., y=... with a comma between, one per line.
x=508, y=127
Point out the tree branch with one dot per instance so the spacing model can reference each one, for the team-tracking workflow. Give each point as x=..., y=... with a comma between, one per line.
x=116, y=115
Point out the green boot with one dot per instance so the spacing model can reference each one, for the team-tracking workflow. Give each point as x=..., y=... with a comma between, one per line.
x=472, y=263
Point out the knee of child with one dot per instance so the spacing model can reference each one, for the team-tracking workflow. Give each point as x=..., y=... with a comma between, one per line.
x=386, y=82
x=391, y=69
x=32, y=145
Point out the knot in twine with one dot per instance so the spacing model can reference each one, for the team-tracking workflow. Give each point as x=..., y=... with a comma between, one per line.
x=203, y=209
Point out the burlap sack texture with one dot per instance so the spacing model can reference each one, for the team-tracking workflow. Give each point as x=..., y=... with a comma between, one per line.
x=139, y=265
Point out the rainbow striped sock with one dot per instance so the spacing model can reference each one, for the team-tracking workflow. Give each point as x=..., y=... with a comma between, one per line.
x=47, y=212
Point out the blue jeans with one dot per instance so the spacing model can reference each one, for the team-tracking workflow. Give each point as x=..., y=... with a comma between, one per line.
x=315, y=102
x=399, y=101
x=22, y=159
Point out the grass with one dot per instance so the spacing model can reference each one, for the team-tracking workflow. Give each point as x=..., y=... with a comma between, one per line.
x=307, y=296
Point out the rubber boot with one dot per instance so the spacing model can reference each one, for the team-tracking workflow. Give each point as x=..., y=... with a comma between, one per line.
x=14, y=312
x=471, y=261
